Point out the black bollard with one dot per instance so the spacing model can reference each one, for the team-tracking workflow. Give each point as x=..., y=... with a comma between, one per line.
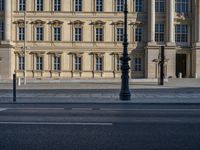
x=162, y=61
x=14, y=87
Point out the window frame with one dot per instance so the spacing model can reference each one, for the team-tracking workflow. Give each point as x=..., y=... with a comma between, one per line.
x=57, y=5
x=160, y=32
x=39, y=36
x=39, y=64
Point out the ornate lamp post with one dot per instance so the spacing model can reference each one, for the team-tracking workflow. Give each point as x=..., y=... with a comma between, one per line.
x=125, y=92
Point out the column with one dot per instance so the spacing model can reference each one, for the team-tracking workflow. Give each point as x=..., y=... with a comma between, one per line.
x=151, y=21
x=198, y=21
x=8, y=21
x=171, y=21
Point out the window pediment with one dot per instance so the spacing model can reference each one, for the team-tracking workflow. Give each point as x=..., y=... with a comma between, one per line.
x=56, y=22
x=98, y=23
x=77, y=23
x=39, y=22
x=118, y=23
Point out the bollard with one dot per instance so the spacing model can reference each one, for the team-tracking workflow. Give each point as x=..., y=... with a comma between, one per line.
x=196, y=76
x=180, y=75
x=18, y=81
x=162, y=61
x=14, y=87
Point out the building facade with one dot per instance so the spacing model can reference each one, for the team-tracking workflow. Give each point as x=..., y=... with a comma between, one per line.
x=60, y=39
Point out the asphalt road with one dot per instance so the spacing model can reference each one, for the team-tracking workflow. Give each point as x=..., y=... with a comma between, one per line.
x=99, y=127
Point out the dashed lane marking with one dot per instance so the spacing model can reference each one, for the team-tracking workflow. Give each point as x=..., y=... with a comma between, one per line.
x=3, y=109
x=59, y=123
x=119, y=109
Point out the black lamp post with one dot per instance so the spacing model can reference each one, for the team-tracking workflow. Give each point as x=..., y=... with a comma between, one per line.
x=125, y=92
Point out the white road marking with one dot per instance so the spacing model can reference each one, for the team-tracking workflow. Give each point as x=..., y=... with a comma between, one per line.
x=121, y=109
x=31, y=108
x=58, y=123
x=3, y=109
x=81, y=108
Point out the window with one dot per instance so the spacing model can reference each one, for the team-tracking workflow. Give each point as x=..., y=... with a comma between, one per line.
x=120, y=34
x=99, y=5
x=39, y=5
x=22, y=5
x=39, y=63
x=182, y=6
x=21, y=62
x=57, y=61
x=159, y=32
x=57, y=33
x=99, y=63
x=1, y=5
x=119, y=64
x=137, y=64
x=39, y=33
x=181, y=33
x=78, y=5
x=99, y=34
x=120, y=5
x=1, y=30
x=138, y=34
x=77, y=64
x=160, y=5
x=78, y=34
x=21, y=34
x=57, y=5
x=138, y=5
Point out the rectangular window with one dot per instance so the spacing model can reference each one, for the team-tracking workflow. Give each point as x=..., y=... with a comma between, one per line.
x=39, y=63
x=181, y=33
x=159, y=32
x=57, y=5
x=137, y=64
x=138, y=34
x=1, y=30
x=120, y=34
x=138, y=5
x=78, y=34
x=99, y=34
x=57, y=33
x=78, y=5
x=39, y=5
x=57, y=62
x=119, y=5
x=21, y=34
x=159, y=5
x=99, y=5
x=1, y=5
x=99, y=63
x=21, y=62
x=182, y=6
x=78, y=61
x=22, y=5
x=39, y=33
x=119, y=64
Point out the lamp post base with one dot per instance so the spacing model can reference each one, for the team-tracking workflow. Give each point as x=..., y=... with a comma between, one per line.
x=125, y=96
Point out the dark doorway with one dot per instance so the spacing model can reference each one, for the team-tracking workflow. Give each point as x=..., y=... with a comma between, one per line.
x=181, y=65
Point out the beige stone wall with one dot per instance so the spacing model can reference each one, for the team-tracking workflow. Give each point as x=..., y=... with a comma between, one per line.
x=145, y=50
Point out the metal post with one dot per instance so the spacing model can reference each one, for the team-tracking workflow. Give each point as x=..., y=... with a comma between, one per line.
x=125, y=92
x=25, y=44
x=14, y=87
x=162, y=61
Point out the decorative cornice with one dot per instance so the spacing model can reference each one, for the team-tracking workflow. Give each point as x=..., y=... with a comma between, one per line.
x=98, y=23
x=77, y=23
x=56, y=22
x=38, y=22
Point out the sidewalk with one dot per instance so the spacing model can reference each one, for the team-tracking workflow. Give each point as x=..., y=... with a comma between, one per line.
x=175, y=91
x=105, y=84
